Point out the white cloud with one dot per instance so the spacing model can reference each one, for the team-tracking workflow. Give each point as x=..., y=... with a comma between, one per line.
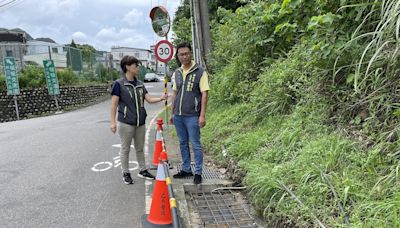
x=100, y=23
x=126, y=3
x=134, y=17
x=123, y=37
x=80, y=37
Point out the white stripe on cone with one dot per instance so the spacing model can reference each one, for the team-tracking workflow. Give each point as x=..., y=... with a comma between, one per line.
x=160, y=173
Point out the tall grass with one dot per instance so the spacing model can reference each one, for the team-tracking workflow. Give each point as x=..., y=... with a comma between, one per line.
x=315, y=151
x=375, y=98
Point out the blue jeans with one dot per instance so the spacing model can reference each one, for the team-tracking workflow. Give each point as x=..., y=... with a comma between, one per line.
x=187, y=128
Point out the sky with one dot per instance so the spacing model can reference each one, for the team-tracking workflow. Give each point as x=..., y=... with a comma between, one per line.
x=100, y=23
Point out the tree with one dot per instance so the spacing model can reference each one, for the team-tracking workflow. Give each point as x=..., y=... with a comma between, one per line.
x=73, y=44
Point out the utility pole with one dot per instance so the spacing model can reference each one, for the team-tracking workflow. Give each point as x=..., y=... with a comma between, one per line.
x=200, y=30
x=194, y=14
x=205, y=28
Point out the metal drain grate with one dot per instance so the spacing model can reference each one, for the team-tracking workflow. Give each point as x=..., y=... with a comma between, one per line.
x=221, y=209
x=207, y=173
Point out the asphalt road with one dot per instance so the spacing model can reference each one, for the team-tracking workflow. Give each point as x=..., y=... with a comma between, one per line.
x=48, y=176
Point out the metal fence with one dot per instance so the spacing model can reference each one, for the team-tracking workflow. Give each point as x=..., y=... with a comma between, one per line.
x=63, y=57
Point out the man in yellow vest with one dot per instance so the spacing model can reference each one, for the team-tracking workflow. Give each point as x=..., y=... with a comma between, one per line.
x=189, y=103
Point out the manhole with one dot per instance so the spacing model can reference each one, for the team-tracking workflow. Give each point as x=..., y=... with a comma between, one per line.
x=220, y=208
x=207, y=173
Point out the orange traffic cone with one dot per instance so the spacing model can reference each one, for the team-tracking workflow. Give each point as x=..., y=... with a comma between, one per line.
x=157, y=144
x=160, y=211
x=164, y=154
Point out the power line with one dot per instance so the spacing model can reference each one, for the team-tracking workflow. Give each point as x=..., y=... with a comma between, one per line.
x=10, y=4
x=7, y=3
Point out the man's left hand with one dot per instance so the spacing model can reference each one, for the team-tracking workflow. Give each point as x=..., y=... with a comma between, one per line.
x=202, y=121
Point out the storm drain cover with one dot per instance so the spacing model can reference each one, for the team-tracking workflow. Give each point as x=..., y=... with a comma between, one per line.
x=220, y=208
x=207, y=173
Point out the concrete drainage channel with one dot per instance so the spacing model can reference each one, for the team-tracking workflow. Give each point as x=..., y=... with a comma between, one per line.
x=214, y=206
x=213, y=203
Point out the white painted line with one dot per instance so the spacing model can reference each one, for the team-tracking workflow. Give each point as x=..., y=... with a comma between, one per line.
x=119, y=146
x=107, y=164
x=117, y=162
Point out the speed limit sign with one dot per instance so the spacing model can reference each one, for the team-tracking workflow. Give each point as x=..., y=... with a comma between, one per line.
x=164, y=51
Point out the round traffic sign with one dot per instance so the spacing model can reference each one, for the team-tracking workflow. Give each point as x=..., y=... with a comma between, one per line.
x=164, y=51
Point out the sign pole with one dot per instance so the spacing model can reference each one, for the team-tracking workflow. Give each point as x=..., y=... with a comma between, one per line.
x=165, y=89
x=166, y=92
x=16, y=106
x=58, y=107
x=161, y=24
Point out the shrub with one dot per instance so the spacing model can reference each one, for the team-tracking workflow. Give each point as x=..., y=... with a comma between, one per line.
x=67, y=77
x=3, y=86
x=32, y=77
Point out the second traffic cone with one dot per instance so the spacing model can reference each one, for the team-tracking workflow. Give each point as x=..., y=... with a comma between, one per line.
x=157, y=144
x=164, y=155
x=160, y=211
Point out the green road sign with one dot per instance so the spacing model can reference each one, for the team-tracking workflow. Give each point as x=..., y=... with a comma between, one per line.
x=51, y=77
x=11, y=76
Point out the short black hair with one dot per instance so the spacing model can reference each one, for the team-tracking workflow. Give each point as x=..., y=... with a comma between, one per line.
x=181, y=45
x=128, y=60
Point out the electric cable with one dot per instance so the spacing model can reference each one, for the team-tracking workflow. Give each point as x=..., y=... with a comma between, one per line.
x=10, y=4
x=7, y=3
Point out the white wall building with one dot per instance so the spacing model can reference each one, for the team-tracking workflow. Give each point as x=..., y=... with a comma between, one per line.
x=143, y=55
x=37, y=51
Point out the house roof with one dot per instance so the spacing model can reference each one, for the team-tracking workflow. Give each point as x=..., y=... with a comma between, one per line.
x=12, y=36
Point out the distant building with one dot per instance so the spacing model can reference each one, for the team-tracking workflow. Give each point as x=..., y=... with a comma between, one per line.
x=12, y=44
x=103, y=58
x=153, y=60
x=143, y=55
x=37, y=51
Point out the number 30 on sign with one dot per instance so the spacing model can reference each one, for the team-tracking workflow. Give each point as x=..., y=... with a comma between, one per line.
x=164, y=51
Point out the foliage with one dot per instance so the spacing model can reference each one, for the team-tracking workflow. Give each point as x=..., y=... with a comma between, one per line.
x=305, y=97
x=105, y=75
x=373, y=76
x=3, y=86
x=214, y=5
x=182, y=33
x=67, y=77
x=32, y=77
x=88, y=53
x=73, y=44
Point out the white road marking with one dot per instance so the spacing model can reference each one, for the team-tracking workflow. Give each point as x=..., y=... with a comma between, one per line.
x=108, y=166
x=119, y=146
x=117, y=162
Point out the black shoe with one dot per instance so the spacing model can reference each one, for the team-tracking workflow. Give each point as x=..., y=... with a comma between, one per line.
x=126, y=177
x=146, y=175
x=197, y=179
x=183, y=174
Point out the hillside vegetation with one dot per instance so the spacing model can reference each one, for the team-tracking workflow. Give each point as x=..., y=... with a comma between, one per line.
x=305, y=99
